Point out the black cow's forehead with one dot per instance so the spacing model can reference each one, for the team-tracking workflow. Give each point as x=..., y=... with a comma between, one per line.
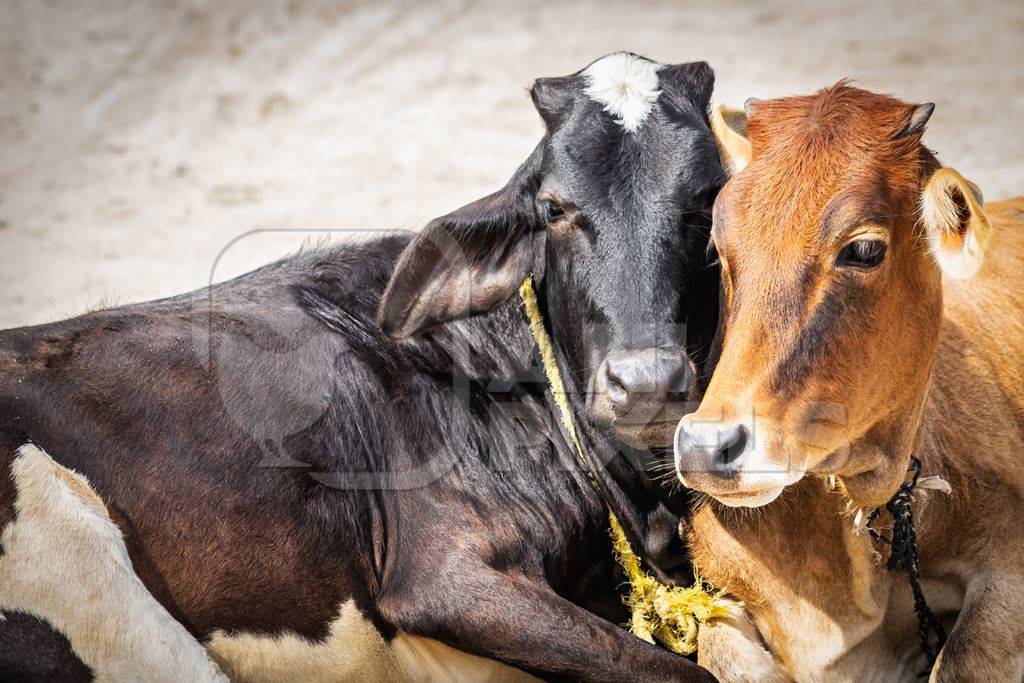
x=634, y=161
x=621, y=140
x=598, y=164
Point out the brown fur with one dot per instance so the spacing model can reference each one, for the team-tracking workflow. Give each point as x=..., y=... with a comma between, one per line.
x=897, y=369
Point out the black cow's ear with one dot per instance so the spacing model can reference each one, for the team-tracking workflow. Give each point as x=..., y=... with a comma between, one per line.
x=553, y=99
x=469, y=261
x=693, y=81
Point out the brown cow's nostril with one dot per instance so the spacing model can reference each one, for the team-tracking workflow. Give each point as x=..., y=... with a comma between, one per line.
x=718, y=451
x=734, y=443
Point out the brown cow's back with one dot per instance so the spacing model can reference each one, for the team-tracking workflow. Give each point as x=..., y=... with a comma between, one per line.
x=976, y=402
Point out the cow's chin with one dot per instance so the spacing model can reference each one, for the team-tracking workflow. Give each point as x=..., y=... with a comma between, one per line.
x=650, y=436
x=743, y=490
x=643, y=432
x=653, y=430
x=749, y=500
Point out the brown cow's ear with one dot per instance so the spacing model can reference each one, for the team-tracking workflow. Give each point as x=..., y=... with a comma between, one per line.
x=959, y=231
x=730, y=129
x=469, y=261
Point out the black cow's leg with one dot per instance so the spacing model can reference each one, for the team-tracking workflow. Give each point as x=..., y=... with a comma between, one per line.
x=30, y=649
x=523, y=622
x=65, y=561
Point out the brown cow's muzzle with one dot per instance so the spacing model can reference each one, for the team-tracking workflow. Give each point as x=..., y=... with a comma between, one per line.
x=739, y=463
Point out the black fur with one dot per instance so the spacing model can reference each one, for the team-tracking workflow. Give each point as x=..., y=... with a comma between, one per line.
x=271, y=451
x=52, y=657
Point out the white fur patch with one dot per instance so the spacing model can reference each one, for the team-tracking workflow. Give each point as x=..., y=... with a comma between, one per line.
x=65, y=562
x=353, y=650
x=961, y=264
x=425, y=660
x=625, y=85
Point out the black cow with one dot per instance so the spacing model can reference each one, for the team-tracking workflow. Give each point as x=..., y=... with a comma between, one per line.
x=333, y=436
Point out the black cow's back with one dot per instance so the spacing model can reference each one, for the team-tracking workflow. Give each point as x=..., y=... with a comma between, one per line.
x=186, y=415
x=269, y=454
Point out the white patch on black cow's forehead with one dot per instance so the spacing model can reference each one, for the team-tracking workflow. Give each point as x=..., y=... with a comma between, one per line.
x=625, y=85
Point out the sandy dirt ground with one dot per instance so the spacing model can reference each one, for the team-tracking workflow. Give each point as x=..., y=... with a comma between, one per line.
x=147, y=147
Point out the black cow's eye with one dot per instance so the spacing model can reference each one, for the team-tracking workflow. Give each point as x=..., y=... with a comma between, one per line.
x=553, y=211
x=864, y=254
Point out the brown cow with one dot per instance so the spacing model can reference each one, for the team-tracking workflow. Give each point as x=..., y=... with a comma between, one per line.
x=845, y=352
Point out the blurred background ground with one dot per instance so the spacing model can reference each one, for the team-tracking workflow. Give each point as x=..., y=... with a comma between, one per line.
x=140, y=140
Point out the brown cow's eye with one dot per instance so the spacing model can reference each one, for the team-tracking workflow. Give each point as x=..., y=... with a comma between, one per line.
x=864, y=254
x=553, y=211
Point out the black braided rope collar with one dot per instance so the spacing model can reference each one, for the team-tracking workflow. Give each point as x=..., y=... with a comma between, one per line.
x=903, y=558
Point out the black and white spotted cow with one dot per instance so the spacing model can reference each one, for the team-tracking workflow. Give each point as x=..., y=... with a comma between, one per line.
x=346, y=465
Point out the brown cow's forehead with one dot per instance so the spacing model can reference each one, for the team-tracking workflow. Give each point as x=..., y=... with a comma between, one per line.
x=821, y=164
x=824, y=167
x=841, y=120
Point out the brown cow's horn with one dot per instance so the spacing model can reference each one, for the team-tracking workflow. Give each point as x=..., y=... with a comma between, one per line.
x=918, y=120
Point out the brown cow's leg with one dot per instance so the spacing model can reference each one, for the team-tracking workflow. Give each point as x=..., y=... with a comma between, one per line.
x=985, y=643
x=524, y=623
x=732, y=650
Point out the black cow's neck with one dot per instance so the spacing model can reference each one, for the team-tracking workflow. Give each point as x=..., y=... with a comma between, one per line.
x=494, y=359
x=648, y=514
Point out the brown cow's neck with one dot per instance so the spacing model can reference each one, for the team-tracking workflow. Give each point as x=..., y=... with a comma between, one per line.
x=816, y=585
x=800, y=567
x=816, y=582
x=879, y=461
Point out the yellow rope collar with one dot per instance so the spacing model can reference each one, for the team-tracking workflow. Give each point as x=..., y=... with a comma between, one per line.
x=672, y=614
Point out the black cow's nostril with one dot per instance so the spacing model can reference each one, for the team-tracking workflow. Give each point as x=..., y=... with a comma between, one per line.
x=732, y=445
x=616, y=388
x=680, y=382
x=644, y=378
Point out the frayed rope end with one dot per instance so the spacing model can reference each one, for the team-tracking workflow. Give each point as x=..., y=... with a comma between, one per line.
x=672, y=615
